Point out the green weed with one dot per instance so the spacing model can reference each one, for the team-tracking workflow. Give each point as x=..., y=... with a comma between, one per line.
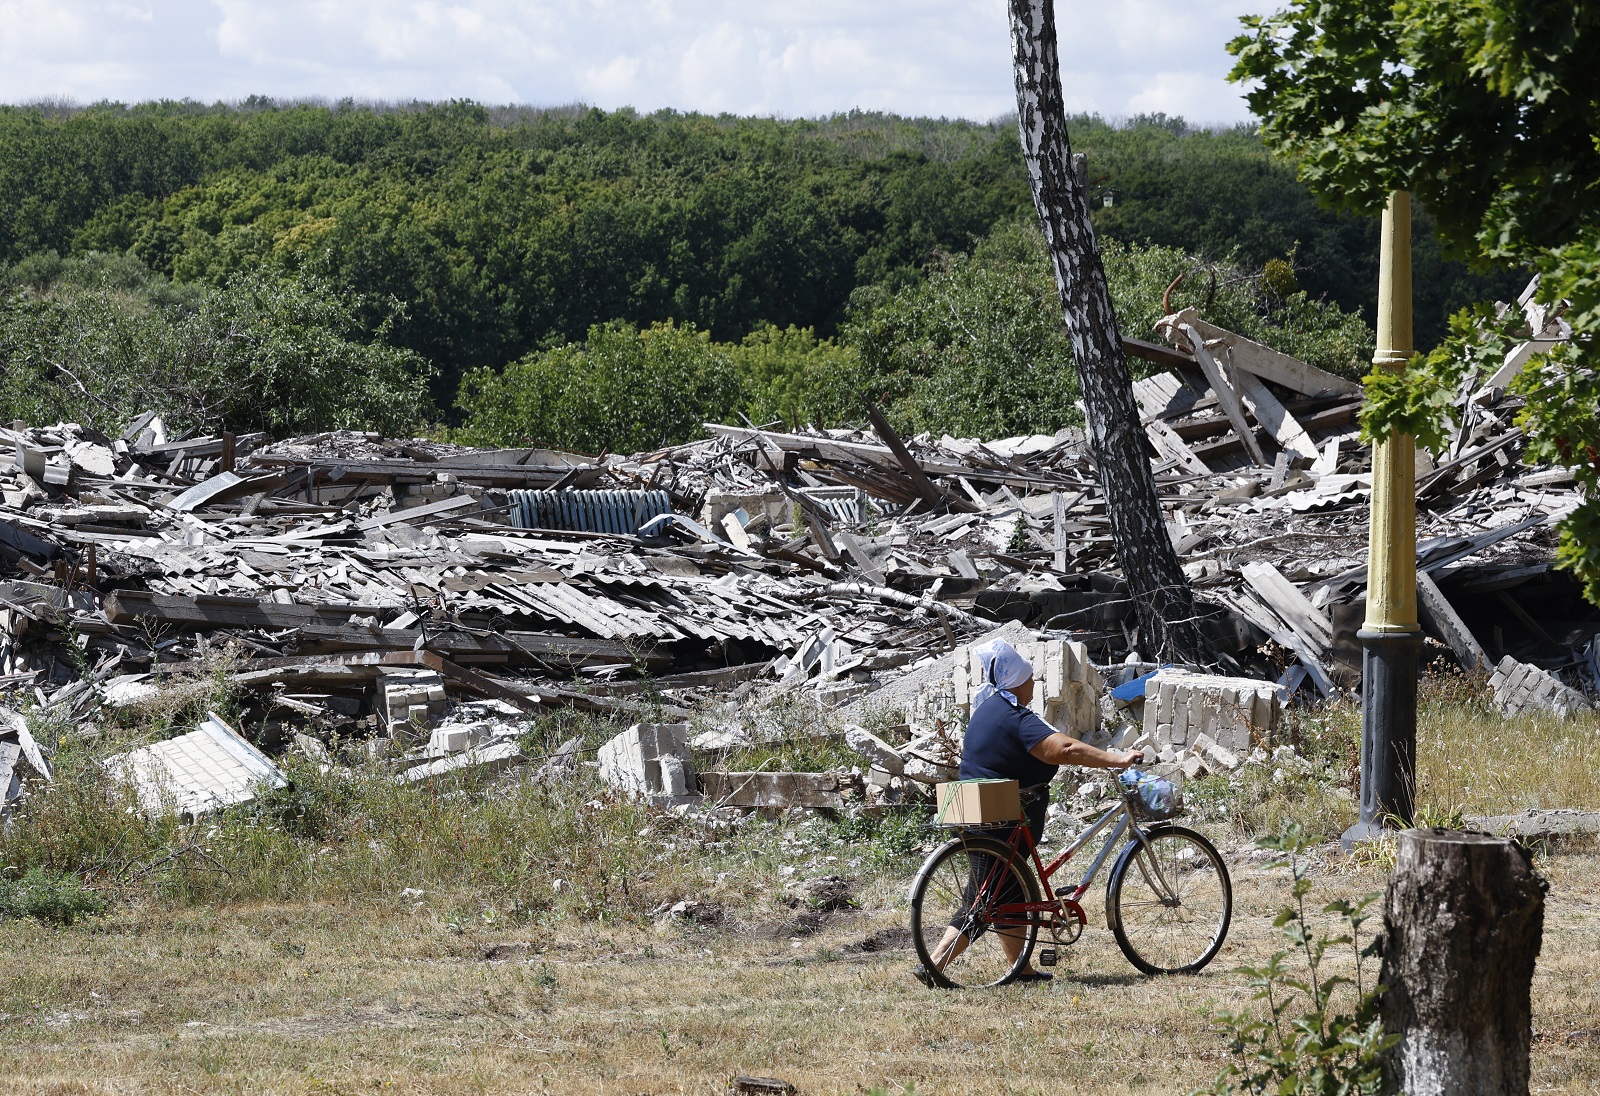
x=51, y=897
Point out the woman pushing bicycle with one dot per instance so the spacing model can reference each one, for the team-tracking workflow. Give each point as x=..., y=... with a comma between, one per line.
x=1006, y=741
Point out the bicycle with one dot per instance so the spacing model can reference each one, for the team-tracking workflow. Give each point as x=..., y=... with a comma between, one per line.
x=1169, y=900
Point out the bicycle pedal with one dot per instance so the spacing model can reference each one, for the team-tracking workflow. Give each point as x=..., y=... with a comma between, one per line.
x=1047, y=957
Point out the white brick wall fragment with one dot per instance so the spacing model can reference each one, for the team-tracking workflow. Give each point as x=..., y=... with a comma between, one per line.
x=1520, y=688
x=410, y=701
x=196, y=773
x=1067, y=687
x=1183, y=709
x=650, y=760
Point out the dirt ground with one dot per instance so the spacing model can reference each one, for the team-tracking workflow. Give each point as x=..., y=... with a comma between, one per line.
x=324, y=999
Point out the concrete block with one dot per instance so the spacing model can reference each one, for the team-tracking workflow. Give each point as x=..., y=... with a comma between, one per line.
x=632, y=762
x=410, y=701
x=1218, y=757
x=1194, y=767
x=877, y=752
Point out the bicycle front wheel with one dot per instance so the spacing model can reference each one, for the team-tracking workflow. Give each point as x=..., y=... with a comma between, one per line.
x=1169, y=901
x=955, y=900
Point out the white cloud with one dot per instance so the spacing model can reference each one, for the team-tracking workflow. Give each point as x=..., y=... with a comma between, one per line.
x=787, y=57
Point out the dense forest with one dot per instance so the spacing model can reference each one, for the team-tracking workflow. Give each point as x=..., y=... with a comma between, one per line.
x=602, y=280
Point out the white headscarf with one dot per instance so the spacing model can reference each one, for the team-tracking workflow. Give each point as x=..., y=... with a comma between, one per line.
x=1003, y=670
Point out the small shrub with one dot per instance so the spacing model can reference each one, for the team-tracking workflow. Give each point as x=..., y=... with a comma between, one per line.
x=51, y=897
x=1321, y=1033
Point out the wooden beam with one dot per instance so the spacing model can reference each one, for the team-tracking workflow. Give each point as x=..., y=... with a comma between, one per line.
x=1155, y=352
x=1289, y=603
x=1173, y=447
x=1269, y=412
x=1225, y=393
x=1263, y=361
x=919, y=479
x=1527, y=621
x=1444, y=621
x=428, y=510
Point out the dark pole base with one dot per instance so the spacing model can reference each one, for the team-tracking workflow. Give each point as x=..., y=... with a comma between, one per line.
x=1388, y=733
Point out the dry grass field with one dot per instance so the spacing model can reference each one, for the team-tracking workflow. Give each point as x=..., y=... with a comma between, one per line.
x=332, y=998
x=275, y=949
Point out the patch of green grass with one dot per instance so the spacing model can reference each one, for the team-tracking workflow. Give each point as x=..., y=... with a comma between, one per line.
x=50, y=897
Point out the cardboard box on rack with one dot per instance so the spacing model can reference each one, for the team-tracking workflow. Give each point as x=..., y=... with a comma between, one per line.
x=979, y=802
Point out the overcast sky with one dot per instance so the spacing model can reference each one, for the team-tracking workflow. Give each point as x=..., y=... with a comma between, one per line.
x=791, y=58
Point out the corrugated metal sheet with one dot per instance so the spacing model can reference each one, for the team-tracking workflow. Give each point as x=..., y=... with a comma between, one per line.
x=845, y=504
x=620, y=512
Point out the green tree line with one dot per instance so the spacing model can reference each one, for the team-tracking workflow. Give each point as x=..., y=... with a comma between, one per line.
x=419, y=249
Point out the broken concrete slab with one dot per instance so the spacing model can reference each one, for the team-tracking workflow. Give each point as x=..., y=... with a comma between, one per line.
x=1534, y=824
x=1218, y=758
x=878, y=753
x=562, y=763
x=776, y=790
x=492, y=757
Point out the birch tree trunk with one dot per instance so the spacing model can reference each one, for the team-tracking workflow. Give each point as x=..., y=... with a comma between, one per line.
x=1464, y=919
x=1168, y=625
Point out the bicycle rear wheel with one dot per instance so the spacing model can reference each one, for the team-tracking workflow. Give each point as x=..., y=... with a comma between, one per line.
x=1169, y=901
x=959, y=887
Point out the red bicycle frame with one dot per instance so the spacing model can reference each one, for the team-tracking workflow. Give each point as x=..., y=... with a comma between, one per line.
x=1021, y=915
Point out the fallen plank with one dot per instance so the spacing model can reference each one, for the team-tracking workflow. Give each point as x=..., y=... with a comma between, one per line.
x=1263, y=361
x=919, y=479
x=1289, y=603
x=1170, y=445
x=444, y=506
x=1155, y=352
x=1270, y=413
x=1225, y=393
x=198, y=447
x=1448, y=625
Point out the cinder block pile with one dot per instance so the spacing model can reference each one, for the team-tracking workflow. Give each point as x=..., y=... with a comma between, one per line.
x=1067, y=687
x=410, y=702
x=1520, y=688
x=1230, y=712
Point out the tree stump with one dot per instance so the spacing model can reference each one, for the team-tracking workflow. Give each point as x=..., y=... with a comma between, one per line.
x=1463, y=919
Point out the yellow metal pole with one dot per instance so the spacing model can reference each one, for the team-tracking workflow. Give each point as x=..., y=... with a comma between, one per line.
x=1392, y=545
x=1390, y=636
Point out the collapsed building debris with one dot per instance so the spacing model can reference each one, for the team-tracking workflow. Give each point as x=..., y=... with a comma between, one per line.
x=365, y=588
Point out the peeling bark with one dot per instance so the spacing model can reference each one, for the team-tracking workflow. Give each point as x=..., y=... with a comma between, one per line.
x=1168, y=624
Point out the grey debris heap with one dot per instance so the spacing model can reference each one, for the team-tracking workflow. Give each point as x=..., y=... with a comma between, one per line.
x=360, y=590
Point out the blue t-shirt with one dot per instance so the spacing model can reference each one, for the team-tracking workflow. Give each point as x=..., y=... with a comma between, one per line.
x=999, y=736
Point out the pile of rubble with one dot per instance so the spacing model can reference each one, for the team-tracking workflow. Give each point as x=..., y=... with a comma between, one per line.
x=408, y=601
